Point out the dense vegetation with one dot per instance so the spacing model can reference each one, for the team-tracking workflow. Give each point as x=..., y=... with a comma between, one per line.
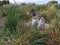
x=15, y=32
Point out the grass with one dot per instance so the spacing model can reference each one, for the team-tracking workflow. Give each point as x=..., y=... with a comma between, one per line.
x=17, y=32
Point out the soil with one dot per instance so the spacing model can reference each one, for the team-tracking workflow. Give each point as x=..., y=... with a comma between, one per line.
x=2, y=20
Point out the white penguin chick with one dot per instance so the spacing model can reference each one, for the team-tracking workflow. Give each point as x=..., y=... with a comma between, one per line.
x=34, y=21
x=41, y=23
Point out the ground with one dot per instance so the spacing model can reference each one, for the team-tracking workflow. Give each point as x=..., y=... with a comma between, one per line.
x=2, y=19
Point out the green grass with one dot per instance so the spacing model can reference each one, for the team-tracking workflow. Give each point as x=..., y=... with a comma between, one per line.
x=16, y=17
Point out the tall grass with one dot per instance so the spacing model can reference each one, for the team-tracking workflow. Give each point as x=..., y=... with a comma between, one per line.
x=12, y=20
x=18, y=32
